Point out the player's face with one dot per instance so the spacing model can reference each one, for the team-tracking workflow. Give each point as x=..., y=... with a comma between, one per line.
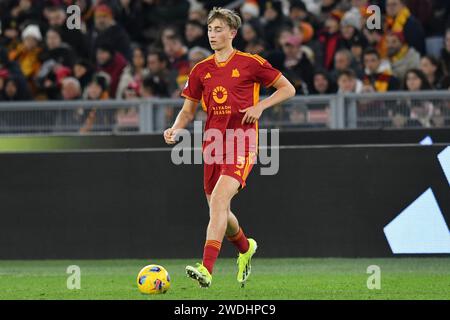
x=220, y=35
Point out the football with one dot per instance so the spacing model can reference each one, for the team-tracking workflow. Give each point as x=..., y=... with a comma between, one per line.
x=153, y=279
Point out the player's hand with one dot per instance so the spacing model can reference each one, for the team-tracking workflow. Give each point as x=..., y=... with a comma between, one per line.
x=169, y=135
x=252, y=114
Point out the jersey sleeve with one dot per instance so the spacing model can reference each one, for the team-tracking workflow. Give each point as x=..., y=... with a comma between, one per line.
x=265, y=73
x=193, y=87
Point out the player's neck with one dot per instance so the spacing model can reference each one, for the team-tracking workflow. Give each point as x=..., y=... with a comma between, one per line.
x=223, y=54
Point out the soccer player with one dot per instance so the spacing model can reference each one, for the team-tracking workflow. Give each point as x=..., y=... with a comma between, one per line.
x=227, y=85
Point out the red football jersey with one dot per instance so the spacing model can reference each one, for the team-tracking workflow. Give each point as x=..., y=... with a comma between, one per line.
x=225, y=88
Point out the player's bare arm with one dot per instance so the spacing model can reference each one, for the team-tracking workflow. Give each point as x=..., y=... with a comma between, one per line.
x=185, y=116
x=285, y=90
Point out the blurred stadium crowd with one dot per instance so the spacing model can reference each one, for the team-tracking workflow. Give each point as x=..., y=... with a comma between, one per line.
x=128, y=49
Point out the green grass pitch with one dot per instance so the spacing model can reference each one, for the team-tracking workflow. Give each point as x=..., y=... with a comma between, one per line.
x=330, y=278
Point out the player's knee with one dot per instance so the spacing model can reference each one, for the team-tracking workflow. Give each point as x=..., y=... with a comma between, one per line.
x=219, y=204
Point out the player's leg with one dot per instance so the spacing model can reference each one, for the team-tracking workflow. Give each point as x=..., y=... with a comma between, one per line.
x=232, y=221
x=246, y=247
x=219, y=203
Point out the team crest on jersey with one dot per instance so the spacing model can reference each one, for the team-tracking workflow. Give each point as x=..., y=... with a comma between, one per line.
x=235, y=73
x=208, y=76
x=220, y=94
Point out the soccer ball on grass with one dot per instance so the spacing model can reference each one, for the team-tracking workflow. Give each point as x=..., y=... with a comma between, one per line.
x=153, y=279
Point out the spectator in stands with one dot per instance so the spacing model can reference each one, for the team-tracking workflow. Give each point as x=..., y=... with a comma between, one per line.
x=350, y=27
x=111, y=62
x=136, y=71
x=12, y=90
x=57, y=61
x=276, y=56
x=421, y=10
x=297, y=68
x=445, y=54
x=157, y=13
x=95, y=118
x=161, y=25
x=257, y=46
x=348, y=82
x=357, y=49
x=432, y=69
x=25, y=11
x=57, y=50
x=56, y=17
x=273, y=20
x=167, y=32
x=251, y=31
x=250, y=11
x=400, y=20
x=130, y=18
x=69, y=119
x=27, y=53
x=408, y=111
x=110, y=33
x=10, y=35
x=83, y=71
x=329, y=39
x=196, y=55
x=327, y=7
x=320, y=113
x=401, y=56
x=306, y=32
x=378, y=75
x=128, y=119
x=197, y=13
x=421, y=112
x=150, y=88
x=158, y=65
x=343, y=60
x=177, y=55
x=323, y=83
x=70, y=89
x=12, y=120
x=375, y=39
x=11, y=68
x=4, y=74
x=298, y=13
x=98, y=87
x=195, y=34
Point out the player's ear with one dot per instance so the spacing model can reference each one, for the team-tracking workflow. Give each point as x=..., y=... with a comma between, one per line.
x=233, y=33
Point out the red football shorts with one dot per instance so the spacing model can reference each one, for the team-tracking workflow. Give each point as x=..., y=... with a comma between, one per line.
x=239, y=170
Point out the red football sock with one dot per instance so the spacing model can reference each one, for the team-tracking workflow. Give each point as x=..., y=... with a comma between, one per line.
x=210, y=254
x=240, y=241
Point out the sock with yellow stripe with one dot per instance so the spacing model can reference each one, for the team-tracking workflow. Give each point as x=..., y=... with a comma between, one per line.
x=210, y=254
x=240, y=241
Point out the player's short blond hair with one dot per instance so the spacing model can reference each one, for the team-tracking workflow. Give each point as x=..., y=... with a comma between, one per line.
x=230, y=17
